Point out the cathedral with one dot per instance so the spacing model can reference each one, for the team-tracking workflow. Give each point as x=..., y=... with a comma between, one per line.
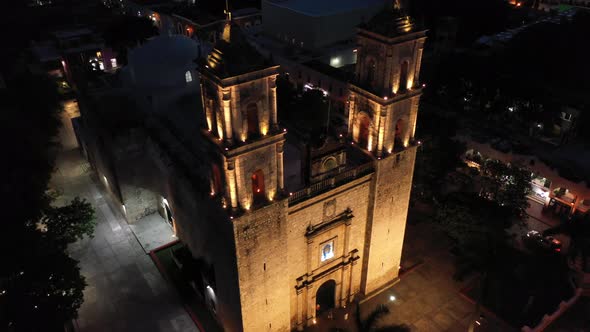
x=287, y=231
x=300, y=249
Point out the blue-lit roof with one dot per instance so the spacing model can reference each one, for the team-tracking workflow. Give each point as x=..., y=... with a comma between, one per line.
x=327, y=7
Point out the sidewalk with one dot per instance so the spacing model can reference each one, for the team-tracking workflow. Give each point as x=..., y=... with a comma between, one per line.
x=125, y=291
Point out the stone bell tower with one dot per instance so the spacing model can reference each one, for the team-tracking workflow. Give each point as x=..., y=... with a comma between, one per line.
x=238, y=88
x=383, y=107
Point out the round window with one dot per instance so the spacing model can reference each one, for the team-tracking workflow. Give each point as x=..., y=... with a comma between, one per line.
x=330, y=164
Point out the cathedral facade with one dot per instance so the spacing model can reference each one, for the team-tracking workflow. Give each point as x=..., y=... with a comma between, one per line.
x=302, y=249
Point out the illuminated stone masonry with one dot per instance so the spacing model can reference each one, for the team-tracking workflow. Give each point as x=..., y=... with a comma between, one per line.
x=287, y=254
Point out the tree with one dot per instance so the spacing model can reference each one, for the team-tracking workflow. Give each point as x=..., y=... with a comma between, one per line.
x=370, y=323
x=438, y=156
x=477, y=227
x=40, y=285
x=42, y=289
x=506, y=184
x=69, y=223
x=126, y=32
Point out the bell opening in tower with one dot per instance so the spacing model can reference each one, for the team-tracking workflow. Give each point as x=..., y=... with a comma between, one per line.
x=364, y=130
x=403, y=76
x=258, y=191
x=253, y=123
x=398, y=139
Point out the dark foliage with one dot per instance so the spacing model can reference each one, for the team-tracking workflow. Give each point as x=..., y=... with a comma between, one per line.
x=371, y=322
x=475, y=18
x=40, y=285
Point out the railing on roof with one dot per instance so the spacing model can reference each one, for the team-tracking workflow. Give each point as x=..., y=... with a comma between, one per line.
x=327, y=184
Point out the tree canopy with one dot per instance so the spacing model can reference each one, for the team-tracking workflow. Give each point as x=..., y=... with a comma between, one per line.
x=371, y=322
x=40, y=285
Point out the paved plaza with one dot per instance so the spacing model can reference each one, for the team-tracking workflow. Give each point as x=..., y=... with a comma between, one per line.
x=427, y=298
x=125, y=290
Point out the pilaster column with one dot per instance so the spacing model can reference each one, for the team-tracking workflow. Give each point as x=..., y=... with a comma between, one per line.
x=280, y=180
x=300, y=308
x=231, y=179
x=418, y=65
x=236, y=115
x=227, y=116
x=273, y=103
x=344, y=290
x=382, y=122
x=205, y=107
x=351, y=105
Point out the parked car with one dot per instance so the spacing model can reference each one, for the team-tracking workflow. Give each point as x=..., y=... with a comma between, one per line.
x=534, y=240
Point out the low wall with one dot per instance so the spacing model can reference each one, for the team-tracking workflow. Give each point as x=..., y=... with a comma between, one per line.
x=561, y=309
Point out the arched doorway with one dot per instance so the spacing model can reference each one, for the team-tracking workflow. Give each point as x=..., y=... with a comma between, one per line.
x=169, y=216
x=403, y=76
x=325, y=298
x=258, y=185
x=364, y=132
x=253, y=123
x=399, y=133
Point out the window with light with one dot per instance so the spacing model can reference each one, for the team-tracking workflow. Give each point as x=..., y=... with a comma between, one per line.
x=327, y=251
x=188, y=77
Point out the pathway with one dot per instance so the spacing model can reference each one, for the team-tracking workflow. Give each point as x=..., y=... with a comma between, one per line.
x=125, y=290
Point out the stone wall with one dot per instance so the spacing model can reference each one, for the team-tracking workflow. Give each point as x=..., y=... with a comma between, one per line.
x=262, y=255
x=389, y=209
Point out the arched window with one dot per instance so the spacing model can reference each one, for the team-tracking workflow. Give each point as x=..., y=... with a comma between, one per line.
x=364, y=124
x=188, y=77
x=399, y=132
x=253, y=123
x=371, y=67
x=403, y=76
x=258, y=184
x=329, y=164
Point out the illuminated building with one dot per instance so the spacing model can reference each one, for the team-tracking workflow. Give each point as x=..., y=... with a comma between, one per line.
x=286, y=230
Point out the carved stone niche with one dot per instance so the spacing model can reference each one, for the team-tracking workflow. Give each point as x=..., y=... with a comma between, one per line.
x=329, y=209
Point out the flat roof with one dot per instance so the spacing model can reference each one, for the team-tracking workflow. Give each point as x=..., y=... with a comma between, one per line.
x=326, y=7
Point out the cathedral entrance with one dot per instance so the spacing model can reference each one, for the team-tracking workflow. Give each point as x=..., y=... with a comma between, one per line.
x=326, y=297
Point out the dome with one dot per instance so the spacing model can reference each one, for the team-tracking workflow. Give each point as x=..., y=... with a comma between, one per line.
x=163, y=61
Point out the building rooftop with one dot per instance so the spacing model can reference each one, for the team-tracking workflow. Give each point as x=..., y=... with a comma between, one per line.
x=325, y=7
x=391, y=23
x=233, y=55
